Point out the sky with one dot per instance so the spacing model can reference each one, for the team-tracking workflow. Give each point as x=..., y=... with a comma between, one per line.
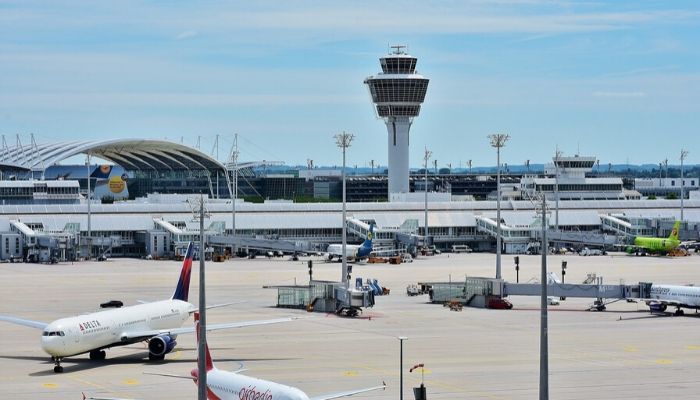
x=619, y=79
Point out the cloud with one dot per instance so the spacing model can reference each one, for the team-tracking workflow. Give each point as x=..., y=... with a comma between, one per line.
x=186, y=35
x=619, y=94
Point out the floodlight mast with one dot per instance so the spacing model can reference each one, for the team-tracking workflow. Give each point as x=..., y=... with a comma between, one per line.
x=202, y=344
x=544, y=328
x=558, y=155
x=498, y=140
x=684, y=154
x=426, y=157
x=343, y=140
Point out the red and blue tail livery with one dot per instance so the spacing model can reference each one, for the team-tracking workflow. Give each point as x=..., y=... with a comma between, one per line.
x=208, y=360
x=183, y=285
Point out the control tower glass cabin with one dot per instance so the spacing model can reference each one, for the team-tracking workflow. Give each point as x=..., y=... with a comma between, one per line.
x=397, y=93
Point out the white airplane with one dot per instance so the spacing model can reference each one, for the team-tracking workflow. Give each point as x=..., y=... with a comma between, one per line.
x=158, y=322
x=677, y=296
x=352, y=251
x=225, y=385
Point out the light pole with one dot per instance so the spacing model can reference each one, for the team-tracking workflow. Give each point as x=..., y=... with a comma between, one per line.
x=201, y=348
x=343, y=141
x=401, y=339
x=498, y=140
x=556, y=189
x=684, y=154
x=234, y=186
x=89, y=215
x=426, y=157
x=544, y=342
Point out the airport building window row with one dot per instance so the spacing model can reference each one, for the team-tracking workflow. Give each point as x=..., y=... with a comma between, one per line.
x=597, y=187
x=398, y=65
x=401, y=90
x=587, y=164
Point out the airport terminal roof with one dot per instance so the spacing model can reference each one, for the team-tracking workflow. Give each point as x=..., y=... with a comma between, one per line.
x=132, y=154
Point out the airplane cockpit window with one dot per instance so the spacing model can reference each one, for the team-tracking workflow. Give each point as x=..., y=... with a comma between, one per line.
x=53, y=333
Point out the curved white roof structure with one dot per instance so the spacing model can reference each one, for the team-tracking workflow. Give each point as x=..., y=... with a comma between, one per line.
x=132, y=154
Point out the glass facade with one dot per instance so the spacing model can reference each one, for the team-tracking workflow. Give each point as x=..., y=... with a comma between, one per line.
x=398, y=65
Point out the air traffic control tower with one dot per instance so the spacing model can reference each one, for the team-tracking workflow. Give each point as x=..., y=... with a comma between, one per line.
x=397, y=93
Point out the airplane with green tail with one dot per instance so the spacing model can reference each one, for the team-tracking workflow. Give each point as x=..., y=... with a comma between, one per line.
x=654, y=245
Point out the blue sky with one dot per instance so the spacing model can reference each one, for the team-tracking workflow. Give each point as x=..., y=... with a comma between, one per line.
x=619, y=79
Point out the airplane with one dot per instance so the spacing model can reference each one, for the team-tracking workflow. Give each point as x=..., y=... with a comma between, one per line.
x=653, y=245
x=231, y=385
x=226, y=385
x=352, y=251
x=158, y=323
x=677, y=296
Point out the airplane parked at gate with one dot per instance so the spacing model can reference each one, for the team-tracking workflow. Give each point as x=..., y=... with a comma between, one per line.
x=353, y=252
x=653, y=245
x=677, y=296
x=158, y=323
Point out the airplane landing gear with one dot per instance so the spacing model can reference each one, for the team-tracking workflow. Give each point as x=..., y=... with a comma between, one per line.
x=57, y=361
x=678, y=312
x=98, y=355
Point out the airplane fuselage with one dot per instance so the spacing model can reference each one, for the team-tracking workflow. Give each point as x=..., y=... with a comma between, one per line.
x=81, y=334
x=352, y=251
x=685, y=296
x=656, y=245
x=224, y=385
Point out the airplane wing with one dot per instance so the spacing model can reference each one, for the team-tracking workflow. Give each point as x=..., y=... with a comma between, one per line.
x=213, y=327
x=194, y=310
x=185, y=376
x=24, y=322
x=103, y=398
x=385, y=251
x=336, y=395
x=170, y=375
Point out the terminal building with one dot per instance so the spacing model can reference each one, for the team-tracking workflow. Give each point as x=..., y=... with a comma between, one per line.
x=44, y=220
x=566, y=179
x=664, y=187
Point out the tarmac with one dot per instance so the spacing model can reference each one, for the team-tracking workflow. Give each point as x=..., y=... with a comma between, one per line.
x=622, y=353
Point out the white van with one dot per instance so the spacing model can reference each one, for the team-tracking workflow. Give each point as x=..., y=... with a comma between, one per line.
x=461, y=248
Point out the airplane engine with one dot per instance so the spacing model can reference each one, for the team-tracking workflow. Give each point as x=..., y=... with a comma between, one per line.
x=659, y=307
x=159, y=346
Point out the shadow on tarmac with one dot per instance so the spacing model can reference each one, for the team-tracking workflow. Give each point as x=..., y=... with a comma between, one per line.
x=85, y=364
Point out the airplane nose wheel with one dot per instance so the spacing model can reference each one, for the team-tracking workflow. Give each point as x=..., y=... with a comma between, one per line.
x=58, y=368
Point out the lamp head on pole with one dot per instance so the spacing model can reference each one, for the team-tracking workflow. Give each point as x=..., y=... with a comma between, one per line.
x=426, y=156
x=684, y=154
x=344, y=139
x=498, y=140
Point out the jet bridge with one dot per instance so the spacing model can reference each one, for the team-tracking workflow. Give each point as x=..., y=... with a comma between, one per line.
x=324, y=296
x=265, y=244
x=475, y=291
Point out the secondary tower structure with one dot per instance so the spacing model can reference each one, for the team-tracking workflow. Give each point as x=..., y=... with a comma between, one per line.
x=397, y=93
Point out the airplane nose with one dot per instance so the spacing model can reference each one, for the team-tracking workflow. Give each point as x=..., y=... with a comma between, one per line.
x=51, y=345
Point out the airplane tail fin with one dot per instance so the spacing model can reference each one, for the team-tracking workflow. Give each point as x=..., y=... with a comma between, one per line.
x=183, y=285
x=209, y=362
x=674, y=231
x=370, y=236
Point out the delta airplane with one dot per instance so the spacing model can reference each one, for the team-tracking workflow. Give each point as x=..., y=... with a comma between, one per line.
x=158, y=323
x=353, y=252
x=677, y=296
